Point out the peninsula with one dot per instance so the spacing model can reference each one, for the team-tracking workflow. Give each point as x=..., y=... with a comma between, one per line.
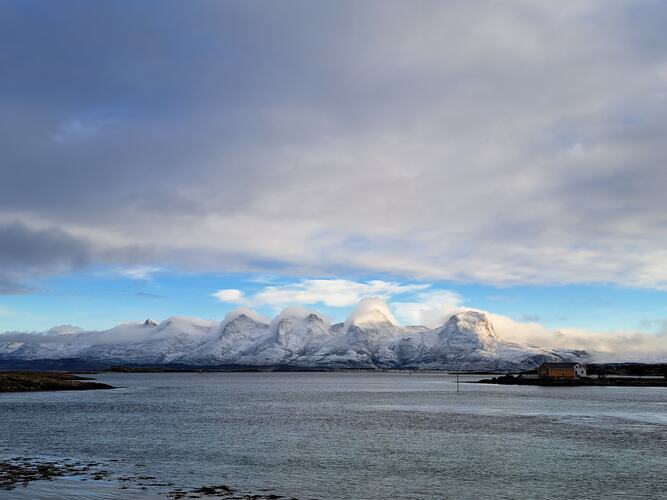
x=46, y=381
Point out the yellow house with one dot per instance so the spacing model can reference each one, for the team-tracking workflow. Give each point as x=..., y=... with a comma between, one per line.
x=561, y=370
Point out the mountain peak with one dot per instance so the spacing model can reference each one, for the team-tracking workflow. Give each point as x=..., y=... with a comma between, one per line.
x=468, y=326
x=314, y=317
x=294, y=328
x=241, y=320
x=150, y=323
x=298, y=313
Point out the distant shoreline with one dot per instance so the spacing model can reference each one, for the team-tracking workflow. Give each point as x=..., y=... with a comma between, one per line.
x=600, y=374
x=74, y=365
x=584, y=381
x=282, y=368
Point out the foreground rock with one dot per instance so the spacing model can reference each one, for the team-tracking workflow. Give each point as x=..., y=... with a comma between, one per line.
x=46, y=381
x=224, y=491
x=21, y=471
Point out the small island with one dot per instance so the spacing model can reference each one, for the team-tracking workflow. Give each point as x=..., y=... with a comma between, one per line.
x=46, y=381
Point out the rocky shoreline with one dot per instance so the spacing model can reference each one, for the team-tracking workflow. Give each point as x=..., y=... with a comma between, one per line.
x=46, y=381
x=21, y=471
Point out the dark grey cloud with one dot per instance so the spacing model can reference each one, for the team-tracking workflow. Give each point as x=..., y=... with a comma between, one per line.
x=514, y=142
x=27, y=248
x=27, y=253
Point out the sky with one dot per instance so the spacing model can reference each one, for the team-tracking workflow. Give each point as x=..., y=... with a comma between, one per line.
x=165, y=158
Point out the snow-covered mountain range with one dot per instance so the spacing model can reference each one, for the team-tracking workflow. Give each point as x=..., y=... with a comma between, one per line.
x=369, y=338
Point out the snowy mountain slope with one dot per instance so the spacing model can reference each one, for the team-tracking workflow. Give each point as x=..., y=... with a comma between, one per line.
x=366, y=339
x=295, y=336
x=26, y=351
x=239, y=332
x=468, y=330
x=369, y=338
x=145, y=342
x=468, y=341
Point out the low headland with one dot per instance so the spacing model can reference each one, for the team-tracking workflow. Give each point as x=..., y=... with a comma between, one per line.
x=618, y=381
x=46, y=381
x=599, y=374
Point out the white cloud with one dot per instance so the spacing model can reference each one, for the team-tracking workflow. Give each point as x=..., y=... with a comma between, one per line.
x=431, y=308
x=366, y=311
x=138, y=272
x=231, y=295
x=331, y=292
x=605, y=345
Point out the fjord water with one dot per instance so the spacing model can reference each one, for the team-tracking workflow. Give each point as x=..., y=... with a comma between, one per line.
x=353, y=435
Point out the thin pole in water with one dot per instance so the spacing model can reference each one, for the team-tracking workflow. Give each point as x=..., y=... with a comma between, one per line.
x=457, y=381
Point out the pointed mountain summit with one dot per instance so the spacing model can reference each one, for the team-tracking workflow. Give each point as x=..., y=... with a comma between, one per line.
x=240, y=322
x=295, y=328
x=238, y=333
x=293, y=336
x=366, y=335
x=149, y=323
x=468, y=329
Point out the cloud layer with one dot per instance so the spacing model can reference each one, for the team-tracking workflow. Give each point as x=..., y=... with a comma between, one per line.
x=328, y=292
x=513, y=142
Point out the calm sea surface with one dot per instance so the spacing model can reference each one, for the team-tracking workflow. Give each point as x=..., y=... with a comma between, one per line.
x=351, y=435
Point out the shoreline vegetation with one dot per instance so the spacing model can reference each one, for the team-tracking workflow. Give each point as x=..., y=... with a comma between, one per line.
x=46, y=381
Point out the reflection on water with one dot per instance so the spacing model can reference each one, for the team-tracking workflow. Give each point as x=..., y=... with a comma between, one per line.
x=353, y=435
